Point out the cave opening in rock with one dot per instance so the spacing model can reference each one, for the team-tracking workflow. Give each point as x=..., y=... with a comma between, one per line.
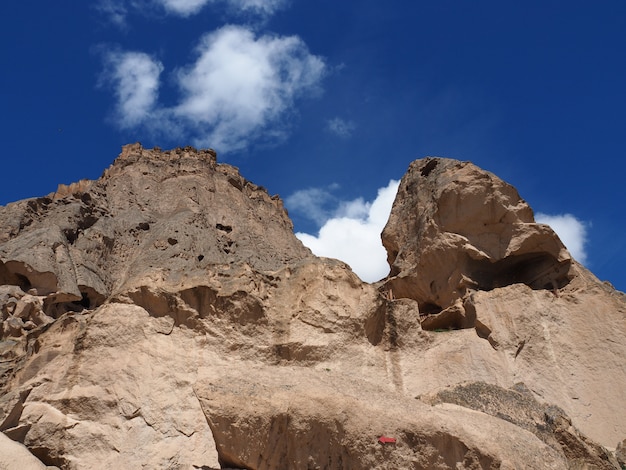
x=429, y=308
x=536, y=270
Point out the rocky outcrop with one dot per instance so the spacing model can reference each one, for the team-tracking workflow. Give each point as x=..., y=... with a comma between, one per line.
x=517, y=405
x=455, y=229
x=165, y=316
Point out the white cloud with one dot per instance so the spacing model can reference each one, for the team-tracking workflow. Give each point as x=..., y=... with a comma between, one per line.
x=240, y=84
x=135, y=79
x=239, y=88
x=571, y=231
x=353, y=234
x=340, y=127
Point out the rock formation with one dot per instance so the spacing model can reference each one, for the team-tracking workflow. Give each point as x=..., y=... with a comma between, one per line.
x=165, y=316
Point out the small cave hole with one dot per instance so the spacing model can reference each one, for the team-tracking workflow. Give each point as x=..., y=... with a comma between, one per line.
x=430, y=166
x=84, y=302
x=23, y=282
x=71, y=235
x=428, y=308
x=235, y=183
x=143, y=226
x=200, y=257
x=224, y=228
x=172, y=241
x=87, y=221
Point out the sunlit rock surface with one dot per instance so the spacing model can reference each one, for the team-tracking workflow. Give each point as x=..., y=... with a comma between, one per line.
x=165, y=316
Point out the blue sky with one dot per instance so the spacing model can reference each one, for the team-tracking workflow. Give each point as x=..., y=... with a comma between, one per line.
x=327, y=102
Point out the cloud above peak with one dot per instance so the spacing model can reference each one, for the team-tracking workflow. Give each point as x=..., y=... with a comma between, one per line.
x=135, y=79
x=240, y=84
x=352, y=233
x=239, y=88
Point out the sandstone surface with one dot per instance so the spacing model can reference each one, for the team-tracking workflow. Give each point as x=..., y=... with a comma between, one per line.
x=165, y=316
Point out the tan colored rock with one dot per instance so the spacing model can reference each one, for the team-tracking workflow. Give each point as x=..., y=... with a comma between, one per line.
x=15, y=456
x=518, y=405
x=173, y=320
x=298, y=418
x=456, y=228
x=146, y=218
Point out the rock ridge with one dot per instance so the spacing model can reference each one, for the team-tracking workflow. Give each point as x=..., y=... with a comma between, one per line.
x=166, y=316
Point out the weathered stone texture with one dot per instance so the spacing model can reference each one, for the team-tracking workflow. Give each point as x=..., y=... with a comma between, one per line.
x=165, y=316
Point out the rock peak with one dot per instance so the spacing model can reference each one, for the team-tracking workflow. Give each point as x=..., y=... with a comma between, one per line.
x=132, y=151
x=164, y=161
x=456, y=228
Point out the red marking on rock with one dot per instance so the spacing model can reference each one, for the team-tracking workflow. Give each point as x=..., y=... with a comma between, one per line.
x=386, y=440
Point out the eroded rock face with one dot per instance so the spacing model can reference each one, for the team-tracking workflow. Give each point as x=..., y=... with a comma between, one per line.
x=518, y=405
x=165, y=316
x=153, y=216
x=455, y=229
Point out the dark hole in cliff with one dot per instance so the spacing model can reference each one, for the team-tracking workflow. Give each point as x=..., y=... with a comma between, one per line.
x=235, y=183
x=200, y=257
x=88, y=219
x=90, y=299
x=23, y=282
x=224, y=228
x=143, y=226
x=172, y=241
x=71, y=235
x=428, y=308
x=536, y=270
x=430, y=166
x=84, y=302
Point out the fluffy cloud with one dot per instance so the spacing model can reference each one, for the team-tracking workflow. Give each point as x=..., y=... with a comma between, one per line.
x=239, y=88
x=571, y=231
x=353, y=234
x=240, y=84
x=135, y=79
x=340, y=127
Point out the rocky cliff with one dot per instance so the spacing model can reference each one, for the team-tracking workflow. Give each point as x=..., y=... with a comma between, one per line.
x=165, y=316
